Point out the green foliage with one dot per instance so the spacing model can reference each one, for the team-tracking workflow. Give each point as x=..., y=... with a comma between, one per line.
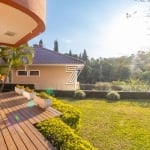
x=43, y=95
x=118, y=83
x=87, y=86
x=79, y=94
x=20, y=86
x=120, y=68
x=29, y=90
x=70, y=115
x=41, y=43
x=102, y=86
x=14, y=57
x=138, y=85
x=56, y=46
x=116, y=88
x=3, y=70
x=132, y=85
x=62, y=136
x=113, y=95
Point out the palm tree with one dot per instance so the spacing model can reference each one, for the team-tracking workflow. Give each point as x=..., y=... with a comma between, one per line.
x=13, y=57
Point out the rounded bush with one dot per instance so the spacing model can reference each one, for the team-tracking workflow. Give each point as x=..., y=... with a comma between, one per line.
x=113, y=95
x=79, y=94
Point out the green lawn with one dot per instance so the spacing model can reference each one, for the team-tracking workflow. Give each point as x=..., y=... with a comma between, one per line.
x=122, y=125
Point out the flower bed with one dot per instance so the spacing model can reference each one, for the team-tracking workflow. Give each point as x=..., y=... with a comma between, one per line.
x=29, y=93
x=42, y=100
x=19, y=89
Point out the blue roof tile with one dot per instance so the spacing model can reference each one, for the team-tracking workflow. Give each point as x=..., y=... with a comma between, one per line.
x=46, y=56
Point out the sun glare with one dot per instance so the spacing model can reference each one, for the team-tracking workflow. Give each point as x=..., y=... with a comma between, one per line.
x=130, y=31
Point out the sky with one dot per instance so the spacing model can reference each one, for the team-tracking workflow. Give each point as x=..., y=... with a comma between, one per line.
x=105, y=28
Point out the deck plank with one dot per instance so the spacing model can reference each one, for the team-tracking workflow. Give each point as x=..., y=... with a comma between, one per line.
x=6, y=134
x=3, y=145
x=17, y=128
x=30, y=129
x=17, y=120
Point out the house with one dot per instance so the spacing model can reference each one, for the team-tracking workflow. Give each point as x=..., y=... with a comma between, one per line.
x=21, y=20
x=50, y=69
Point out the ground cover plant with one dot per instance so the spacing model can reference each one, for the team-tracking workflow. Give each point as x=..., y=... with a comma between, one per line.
x=123, y=124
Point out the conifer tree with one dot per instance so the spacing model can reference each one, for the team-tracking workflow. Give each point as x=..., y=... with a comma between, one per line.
x=56, y=46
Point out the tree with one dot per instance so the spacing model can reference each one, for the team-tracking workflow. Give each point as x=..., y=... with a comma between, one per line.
x=84, y=55
x=14, y=57
x=70, y=52
x=56, y=46
x=41, y=43
x=84, y=76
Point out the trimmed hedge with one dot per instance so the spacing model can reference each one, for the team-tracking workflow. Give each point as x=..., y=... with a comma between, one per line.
x=116, y=88
x=62, y=136
x=102, y=94
x=102, y=86
x=63, y=93
x=87, y=86
x=134, y=95
x=70, y=115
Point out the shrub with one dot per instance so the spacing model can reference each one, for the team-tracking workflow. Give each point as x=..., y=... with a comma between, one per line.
x=62, y=136
x=43, y=95
x=70, y=115
x=86, y=86
x=118, y=83
x=113, y=95
x=116, y=88
x=20, y=86
x=29, y=90
x=79, y=94
x=102, y=86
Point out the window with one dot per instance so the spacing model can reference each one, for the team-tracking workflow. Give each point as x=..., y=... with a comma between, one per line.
x=34, y=73
x=22, y=73
x=28, y=73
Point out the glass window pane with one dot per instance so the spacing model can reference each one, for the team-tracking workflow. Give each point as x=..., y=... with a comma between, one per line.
x=22, y=73
x=34, y=73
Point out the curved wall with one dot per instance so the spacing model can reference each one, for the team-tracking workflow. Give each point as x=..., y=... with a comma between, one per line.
x=21, y=20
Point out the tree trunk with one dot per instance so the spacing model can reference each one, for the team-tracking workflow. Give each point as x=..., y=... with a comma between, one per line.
x=5, y=79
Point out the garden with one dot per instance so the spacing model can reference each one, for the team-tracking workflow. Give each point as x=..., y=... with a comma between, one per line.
x=98, y=123
x=113, y=125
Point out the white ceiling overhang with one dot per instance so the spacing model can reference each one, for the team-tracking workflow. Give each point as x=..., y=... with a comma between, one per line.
x=14, y=24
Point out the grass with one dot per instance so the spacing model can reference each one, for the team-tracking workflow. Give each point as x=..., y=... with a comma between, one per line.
x=121, y=125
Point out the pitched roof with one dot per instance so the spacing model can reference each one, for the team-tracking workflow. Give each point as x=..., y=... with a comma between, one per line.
x=46, y=56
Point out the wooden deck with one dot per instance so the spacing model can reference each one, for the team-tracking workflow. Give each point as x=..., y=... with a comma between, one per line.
x=17, y=119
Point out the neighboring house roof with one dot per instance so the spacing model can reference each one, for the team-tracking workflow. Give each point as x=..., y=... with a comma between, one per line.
x=46, y=56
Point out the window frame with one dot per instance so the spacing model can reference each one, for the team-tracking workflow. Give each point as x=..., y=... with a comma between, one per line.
x=17, y=73
x=33, y=75
x=27, y=73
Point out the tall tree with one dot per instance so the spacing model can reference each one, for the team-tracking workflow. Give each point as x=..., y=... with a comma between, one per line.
x=56, y=46
x=70, y=52
x=14, y=57
x=41, y=43
x=84, y=76
x=84, y=55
